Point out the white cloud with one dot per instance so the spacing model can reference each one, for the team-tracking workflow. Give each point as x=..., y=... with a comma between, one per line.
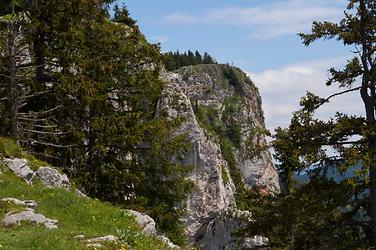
x=268, y=20
x=159, y=39
x=282, y=88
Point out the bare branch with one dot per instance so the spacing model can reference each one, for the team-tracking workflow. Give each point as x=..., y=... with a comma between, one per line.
x=336, y=94
x=45, y=132
x=48, y=144
x=35, y=94
x=41, y=112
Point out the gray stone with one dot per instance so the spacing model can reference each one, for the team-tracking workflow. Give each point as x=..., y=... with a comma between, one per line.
x=79, y=237
x=217, y=231
x=20, y=168
x=211, y=192
x=146, y=223
x=26, y=203
x=15, y=218
x=94, y=245
x=52, y=178
x=255, y=242
x=207, y=87
x=79, y=193
x=110, y=238
x=167, y=241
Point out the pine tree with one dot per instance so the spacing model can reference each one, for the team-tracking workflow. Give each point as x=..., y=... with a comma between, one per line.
x=104, y=77
x=357, y=29
x=28, y=123
x=327, y=212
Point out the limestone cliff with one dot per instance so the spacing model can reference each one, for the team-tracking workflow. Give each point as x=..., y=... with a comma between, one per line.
x=222, y=116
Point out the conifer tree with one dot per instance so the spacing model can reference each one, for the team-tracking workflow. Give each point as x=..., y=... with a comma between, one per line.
x=329, y=212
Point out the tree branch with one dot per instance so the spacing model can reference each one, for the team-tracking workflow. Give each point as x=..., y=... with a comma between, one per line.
x=334, y=95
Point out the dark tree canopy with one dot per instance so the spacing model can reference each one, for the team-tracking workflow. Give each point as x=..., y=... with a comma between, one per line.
x=103, y=78
x=176, y=60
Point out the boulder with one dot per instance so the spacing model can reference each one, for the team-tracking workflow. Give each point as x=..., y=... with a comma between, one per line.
x=26, y=203
x=110, y=238
x=20, y=168
x=79, y=237
x=146, y=223
x=167, y=241
x=52, y=178
x=94, y=245
x=15, y=218
x=217, y=231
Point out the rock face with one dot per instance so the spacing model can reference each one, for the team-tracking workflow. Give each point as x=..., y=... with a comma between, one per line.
x=211, y=192
x=27, y=203
x=14, y=219
x=227, y=101
x=222, y=118
x=217, y=229
x=146, y=223
x=52, y=178
x=20, y=168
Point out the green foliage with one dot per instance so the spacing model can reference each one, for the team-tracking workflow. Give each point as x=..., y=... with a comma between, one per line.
x=224, y=175
x=8, y=149
x=103, y=78
x=231, y=75
x=175, y=60
x=325, y=213
x=223, y=125
x=315, y=216
x=241, y=199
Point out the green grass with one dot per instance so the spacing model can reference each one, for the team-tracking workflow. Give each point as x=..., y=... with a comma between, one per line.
x=8, y=149
x=76, y=215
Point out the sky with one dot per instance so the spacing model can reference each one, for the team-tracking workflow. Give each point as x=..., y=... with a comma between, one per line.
x=260, y=37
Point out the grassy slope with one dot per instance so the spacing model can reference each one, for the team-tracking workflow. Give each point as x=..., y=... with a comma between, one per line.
x=76, y=215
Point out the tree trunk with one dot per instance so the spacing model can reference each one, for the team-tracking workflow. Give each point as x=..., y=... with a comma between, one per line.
x=14, y=95
x=369, y=103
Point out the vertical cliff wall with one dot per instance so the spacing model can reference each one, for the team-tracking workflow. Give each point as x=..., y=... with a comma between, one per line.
x=222, y=117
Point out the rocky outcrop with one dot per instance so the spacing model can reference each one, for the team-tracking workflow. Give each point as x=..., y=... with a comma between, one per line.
x=21, y=168
x=217, y=231
x=211, y=192
x=50, y=177
x=97, y=242
x=229, y=104
x=223, y=119
x=27, y=203
x=146, y=223
x=14, y=218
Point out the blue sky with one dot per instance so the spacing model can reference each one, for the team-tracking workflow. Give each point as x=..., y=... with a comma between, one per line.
x=260, y=37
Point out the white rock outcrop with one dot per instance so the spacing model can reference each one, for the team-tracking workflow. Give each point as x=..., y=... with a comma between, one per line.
x=15, y=218
x=26, y=203
x=50, y=177
x=146, y=223
x=211, y=192
x=217, y=104
x=21, y=168
x=218, y=228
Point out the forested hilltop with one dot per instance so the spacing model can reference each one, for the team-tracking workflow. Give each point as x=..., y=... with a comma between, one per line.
x=175, y=60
